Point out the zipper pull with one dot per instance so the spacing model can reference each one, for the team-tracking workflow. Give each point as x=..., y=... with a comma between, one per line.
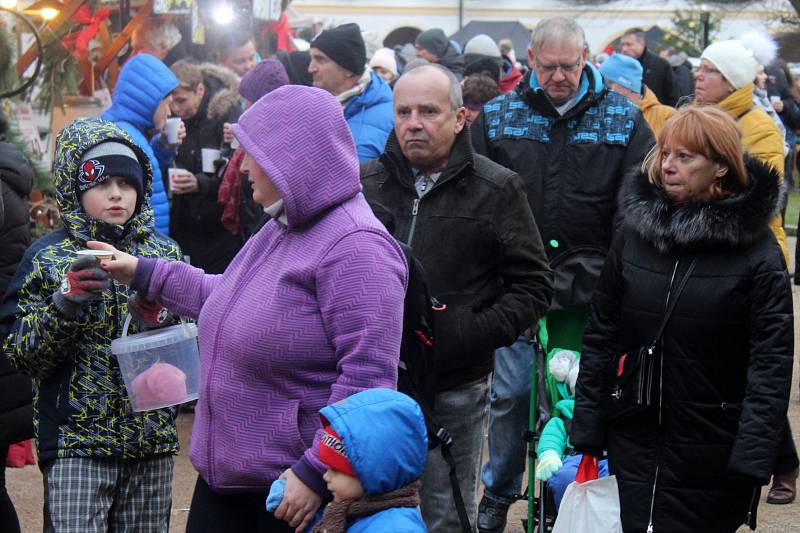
x=415, y=207
x=650, y=527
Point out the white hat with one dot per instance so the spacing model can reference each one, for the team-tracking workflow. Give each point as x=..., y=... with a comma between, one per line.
x=482, y=45
x=384, y=58
x=734, y=61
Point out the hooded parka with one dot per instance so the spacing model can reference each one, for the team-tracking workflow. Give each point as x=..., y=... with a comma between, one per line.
x=143, y=83
x=195, y=218
x=385, y=439
x=81, y=408
x=16, y=181
x=696, y=460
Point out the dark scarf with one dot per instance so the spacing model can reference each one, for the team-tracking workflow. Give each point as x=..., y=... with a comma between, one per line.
x=337, y=514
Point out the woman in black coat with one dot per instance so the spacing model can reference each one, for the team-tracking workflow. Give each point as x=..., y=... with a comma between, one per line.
x=16, y=408
x=696, y=459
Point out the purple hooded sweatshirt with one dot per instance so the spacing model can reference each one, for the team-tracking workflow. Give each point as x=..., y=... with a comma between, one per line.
x=307, y=313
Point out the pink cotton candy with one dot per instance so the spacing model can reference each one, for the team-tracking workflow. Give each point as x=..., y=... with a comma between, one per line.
x=160, y=385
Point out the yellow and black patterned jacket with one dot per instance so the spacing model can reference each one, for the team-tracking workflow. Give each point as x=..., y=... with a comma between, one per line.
x=81, y=408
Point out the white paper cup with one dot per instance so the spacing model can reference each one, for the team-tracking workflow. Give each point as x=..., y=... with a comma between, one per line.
x=99, y=255
x=774, y=99
x=172, y=172
x=173, y=125
x=209, y=156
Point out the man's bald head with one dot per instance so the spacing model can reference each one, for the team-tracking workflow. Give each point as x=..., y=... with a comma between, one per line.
x=432, y=73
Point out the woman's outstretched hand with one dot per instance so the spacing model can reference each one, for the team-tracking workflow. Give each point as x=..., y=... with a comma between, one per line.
x=121, y=268
x=299, y=504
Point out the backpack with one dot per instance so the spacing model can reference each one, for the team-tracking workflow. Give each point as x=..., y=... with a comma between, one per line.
x=416, y=374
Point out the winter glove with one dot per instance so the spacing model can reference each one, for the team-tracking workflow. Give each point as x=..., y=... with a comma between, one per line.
x=549, y=463
x=148, y=314
x=84, y=281
x=275, y=494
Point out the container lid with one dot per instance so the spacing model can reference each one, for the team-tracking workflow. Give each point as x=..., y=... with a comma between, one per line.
x=156, y=338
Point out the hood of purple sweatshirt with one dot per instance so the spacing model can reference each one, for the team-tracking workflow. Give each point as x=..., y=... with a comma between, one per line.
x=296, y=133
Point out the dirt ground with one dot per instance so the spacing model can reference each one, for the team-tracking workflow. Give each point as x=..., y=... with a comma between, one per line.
x=25, y=485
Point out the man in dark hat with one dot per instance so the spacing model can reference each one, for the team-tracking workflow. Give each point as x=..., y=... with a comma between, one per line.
x=434, y=46
x=338, y=65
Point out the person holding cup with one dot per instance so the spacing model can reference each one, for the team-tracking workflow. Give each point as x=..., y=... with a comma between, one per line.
x=140, y=106
x=62, y=312
x=309, y=312
x=206, y=98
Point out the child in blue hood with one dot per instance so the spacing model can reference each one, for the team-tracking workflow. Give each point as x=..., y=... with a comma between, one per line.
x=375, y=446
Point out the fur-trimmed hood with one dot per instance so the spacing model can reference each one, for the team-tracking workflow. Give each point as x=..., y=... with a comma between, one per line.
x=735, y=221
x=224, y=85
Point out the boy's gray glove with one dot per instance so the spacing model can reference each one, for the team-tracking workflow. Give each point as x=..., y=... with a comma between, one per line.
x=148, y=314
x=83, y=282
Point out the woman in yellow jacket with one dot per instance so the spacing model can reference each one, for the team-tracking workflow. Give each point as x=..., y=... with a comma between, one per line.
x=725, y=78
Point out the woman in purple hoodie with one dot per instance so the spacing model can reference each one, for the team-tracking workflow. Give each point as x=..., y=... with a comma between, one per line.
x=308, y=313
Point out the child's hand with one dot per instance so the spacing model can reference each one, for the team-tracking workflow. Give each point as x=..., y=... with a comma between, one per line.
x=148, y=314
x=83, y=282
x=549, y=463
x=299, y=504
x=121, y=268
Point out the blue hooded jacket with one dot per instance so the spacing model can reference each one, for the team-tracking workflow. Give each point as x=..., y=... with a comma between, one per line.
x=143, y=83
x=387, y=445
x=370, y=116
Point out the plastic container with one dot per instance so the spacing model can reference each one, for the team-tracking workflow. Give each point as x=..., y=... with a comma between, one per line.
x=161, y=367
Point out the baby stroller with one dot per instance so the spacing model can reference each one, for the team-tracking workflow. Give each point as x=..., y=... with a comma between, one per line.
x=558, y=330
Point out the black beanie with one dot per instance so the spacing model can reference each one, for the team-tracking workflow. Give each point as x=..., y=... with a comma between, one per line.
x=434, y=41
x=490, y=65
x=110, y=159
x=345, y=46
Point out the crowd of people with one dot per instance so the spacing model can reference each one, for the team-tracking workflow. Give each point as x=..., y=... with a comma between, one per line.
x=281, y=204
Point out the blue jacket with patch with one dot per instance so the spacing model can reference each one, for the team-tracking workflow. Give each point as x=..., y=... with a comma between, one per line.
x=573, y=166
x=384, y=434
x=143, y=83
x=370, y=116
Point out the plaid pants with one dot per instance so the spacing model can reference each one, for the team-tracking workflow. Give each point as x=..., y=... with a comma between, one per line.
x=87, y=495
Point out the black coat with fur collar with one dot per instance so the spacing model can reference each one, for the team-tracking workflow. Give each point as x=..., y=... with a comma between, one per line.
x=726, y=357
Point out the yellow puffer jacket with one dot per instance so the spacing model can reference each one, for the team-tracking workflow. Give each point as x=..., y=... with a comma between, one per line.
x=654, y=112
x=762, y=139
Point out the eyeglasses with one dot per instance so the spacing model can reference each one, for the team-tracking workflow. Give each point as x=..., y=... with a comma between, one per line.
x=565, y=69
x=705, y=70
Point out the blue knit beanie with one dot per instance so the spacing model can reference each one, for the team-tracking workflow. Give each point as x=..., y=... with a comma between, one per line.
x=624, y=71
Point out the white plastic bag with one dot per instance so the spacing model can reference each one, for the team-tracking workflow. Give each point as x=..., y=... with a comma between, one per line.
x=590, y=507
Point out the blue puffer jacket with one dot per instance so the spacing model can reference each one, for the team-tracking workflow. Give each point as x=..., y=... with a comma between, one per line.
x=143, y=83
x=370, y=116
x=387, y=445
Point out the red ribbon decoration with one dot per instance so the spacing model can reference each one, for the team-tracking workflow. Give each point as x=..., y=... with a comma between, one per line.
x=283, y=31
x=77, y=42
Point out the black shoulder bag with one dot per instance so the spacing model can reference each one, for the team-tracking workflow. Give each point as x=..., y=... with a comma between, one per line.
x=634, y=386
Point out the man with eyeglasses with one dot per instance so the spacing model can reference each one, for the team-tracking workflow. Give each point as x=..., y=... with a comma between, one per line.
x=572, y=141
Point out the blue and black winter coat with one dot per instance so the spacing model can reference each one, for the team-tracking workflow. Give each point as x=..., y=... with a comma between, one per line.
x=572, y=166
x=370, y=116
x=387, y=445
x=143, y=83
x=80, y=405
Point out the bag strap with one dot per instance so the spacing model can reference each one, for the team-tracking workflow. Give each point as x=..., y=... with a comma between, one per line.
x=673, y=300
x=587, y=469
x=445, y=444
